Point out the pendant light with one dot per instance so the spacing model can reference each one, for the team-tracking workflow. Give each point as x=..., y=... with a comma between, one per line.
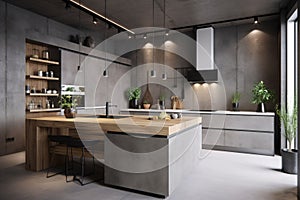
x=164, y=75
x=153, y=72
x=105, y=72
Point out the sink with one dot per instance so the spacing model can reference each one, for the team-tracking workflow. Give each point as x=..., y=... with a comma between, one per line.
x=113, y=116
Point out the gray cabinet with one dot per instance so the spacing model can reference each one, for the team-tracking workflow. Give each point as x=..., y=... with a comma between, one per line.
x=239, y=133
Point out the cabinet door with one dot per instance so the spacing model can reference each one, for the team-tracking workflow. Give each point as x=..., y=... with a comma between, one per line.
x=213, y=121
x=256, y=142
x=254, y=123
x=213, y=137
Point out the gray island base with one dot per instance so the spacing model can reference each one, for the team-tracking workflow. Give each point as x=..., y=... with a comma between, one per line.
x=154, y=164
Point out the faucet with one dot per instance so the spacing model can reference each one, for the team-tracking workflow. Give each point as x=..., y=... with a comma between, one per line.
x=107, y=105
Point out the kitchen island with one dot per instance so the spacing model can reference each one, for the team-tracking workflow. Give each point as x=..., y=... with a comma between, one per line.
x=140, y=154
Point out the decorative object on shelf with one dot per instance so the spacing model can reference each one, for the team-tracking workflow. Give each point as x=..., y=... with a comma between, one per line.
x=45, y=54
x=69, y=105
x=236, y=97
x=35, y=53
x=27, y=89
x=134, y=94
x=174, y=115
x=261, y=95
x=176, y=103
x=40, y=73
x=147, y=95
x=162, y=102
x=289, y=121
x=89, y=42
x=146, y=104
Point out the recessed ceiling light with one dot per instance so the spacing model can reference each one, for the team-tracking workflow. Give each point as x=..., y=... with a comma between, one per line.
x=255, y=20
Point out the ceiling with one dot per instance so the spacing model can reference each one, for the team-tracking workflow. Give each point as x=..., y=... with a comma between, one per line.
x=139, y=13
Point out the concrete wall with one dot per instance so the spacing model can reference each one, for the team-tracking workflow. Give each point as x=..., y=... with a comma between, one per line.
x=244, y=55
x=16, y=25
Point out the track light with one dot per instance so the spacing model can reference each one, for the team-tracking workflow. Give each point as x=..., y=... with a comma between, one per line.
x=145, y=36
x=95, y=20
x=255, y=20
x=105, y=73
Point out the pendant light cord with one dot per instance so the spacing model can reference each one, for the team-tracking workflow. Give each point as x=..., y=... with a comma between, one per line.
x=153, y=35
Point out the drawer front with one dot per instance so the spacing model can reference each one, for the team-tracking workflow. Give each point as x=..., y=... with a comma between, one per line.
x=213, y=121
x=249, y=140
x=253, y=123
x=212, y=137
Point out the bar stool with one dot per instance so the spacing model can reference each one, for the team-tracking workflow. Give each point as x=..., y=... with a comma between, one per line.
x=61, y=143
x=83, y=145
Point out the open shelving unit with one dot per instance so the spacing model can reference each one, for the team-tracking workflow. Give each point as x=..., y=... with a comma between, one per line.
x=37, y=102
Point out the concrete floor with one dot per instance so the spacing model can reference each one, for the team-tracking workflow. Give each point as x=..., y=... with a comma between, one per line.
x=219, y=176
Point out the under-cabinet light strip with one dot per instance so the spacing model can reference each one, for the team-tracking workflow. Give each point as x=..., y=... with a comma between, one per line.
x=99, y=15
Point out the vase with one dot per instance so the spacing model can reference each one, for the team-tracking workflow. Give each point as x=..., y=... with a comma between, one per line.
x=289, y=161
x=133, y=103
x=146, y=105
x=261, y=107
x=70, y=113
x=235, y=106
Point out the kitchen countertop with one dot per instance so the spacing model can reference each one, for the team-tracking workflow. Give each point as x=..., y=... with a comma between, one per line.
x=218, y=112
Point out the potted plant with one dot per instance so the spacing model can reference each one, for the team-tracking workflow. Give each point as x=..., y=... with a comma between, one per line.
x=261, y=95
x=289, y=121
x=146, y=105
x=235, y=101
x=134, y=94
x=68, y=103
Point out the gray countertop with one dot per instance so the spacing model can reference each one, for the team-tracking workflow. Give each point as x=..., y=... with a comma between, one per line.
x=218, y=112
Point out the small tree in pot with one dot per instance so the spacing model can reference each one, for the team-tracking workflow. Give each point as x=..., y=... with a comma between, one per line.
x=134, y=94
x=235, y=101
x=289, y=121
x=261, y=95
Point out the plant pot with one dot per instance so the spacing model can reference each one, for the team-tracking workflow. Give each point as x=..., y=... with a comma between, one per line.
x=70, y=113
x=146, y=105
x=133, y=103
x=161, y=104
x=235, y=106
x=261, y=107
x=289, y=161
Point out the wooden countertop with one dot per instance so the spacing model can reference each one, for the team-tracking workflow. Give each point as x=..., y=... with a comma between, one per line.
x=130, y=125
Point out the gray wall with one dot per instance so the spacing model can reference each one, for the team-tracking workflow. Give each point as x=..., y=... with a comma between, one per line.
x=16, y=25
x=244, y=55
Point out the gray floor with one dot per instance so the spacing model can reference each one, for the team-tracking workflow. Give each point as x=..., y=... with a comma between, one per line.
x=219, y=176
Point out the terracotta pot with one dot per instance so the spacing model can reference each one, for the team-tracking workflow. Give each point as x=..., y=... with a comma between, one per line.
x=69, y=113
x=146, y=105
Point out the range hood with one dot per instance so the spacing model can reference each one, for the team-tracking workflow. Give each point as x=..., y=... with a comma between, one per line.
x=204, y=71
x=202, y=76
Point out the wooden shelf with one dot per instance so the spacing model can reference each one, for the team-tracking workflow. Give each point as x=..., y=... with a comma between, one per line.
x=43, y=95
x=45, y=110
x=42, y=78
x=72, y=93
x=49, y=62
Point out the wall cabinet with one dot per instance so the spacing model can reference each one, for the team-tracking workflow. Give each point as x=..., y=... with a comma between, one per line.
x=43, y=74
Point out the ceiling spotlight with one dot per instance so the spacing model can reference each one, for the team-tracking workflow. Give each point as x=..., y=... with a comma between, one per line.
x=94, y=20
x=167, y=32
x=255, y=20
x=145, y=36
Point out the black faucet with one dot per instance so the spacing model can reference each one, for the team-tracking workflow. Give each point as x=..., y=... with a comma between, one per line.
x=107, y=108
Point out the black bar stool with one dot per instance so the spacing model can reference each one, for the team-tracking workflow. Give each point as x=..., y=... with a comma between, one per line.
x=60, y=148
x=84, y=145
